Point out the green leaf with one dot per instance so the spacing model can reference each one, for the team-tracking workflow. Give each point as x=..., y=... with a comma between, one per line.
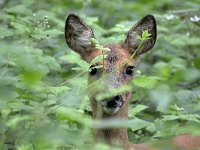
x=56, y=90
x=145, y=34
x=161, y=96
x=8, y=80
x=32, y=78
x=193, y=41
x=75, y=58
x=20, y=28
x=197, y=62
x=19, y=9
x=146, y=81
x=14, y=122
x=94, y=41
x=53, y=33
x=38, y=35
x=137, y=109
x=137, y=124
x=72, y=115
x=5, y=32
x=139, y=37
x=187, y=117
x=41, y=34
x=98, y=45
x=98, y=58
x=119, y=28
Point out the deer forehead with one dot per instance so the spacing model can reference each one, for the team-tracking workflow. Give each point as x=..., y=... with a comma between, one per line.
x=117, y=55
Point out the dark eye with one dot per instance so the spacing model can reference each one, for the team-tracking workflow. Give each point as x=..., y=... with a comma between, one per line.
x=93, y=70
x=129, y=70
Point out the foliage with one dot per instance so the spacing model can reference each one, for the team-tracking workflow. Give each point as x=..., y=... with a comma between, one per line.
x=43, y=98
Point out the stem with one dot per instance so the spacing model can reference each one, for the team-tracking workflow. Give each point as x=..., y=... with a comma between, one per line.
x=103, y=59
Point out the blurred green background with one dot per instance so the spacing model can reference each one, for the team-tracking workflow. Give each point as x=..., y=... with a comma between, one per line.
x=43, y=98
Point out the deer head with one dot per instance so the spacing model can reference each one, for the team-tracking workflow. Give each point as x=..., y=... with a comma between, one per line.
x=78, y=37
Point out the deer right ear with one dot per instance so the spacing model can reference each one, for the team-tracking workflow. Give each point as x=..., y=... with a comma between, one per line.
x=78, y=35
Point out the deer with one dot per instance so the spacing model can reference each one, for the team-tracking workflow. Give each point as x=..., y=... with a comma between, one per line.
x=78, y=37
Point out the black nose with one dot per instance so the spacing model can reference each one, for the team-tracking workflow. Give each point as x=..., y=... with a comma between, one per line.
x=116, y=101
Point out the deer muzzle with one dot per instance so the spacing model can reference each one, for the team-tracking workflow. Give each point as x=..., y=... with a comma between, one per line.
x=112, y=105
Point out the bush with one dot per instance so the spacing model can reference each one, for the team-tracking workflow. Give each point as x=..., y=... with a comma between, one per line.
x=43, y=98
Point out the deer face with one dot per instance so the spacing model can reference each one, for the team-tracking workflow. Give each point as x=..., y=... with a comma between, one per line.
x=78, y=37
x=111, y=77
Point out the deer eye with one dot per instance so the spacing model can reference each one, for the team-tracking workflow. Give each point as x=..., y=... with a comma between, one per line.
x=93, y=70
x=129, y=70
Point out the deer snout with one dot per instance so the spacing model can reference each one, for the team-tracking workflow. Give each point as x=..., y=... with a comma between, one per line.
x=116, y=101
x=112, y=104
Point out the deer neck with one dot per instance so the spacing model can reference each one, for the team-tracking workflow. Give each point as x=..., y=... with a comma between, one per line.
x=113, y=136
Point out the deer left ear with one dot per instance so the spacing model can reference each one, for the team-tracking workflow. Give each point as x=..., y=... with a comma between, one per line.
x=78, y=35
x=132, y=42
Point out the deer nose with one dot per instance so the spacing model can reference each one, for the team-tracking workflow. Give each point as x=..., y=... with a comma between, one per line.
x=114, y=102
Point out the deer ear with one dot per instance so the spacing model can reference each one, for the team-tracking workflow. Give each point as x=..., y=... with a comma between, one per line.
x=78, y=35
x=146, y=23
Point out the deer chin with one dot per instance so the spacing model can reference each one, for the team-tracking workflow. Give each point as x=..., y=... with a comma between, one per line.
x=110, y=111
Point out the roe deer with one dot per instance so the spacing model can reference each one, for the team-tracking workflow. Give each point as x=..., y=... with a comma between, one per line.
x=78, y=37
